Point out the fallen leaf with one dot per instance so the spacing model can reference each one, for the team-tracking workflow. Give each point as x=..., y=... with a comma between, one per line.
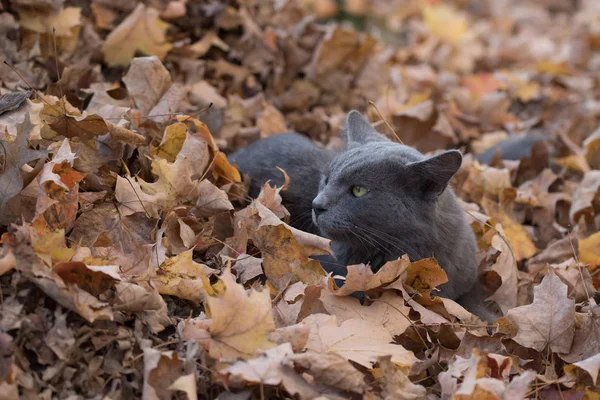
x=355, y=339
x=252, y=315
x=16, y=155
x=141, y=31
x=161, y=371
x=388, y=311
x=180, y=276
x=590, y=365
x=549, y=320
x=266, y=369
x=361, y=278
x=397, y=385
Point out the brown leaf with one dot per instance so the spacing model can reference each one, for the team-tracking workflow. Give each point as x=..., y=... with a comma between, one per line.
x=141, y=31
x=12, y=100
x=586, y=341
x=590, y=365
x=329, y=369
x=397, y=386
x=265, y=369
x=16, y=154
x=161, y=370
x=585, y=195
x=360, y=278
x=142, y=72
x=549, y=320
x=388, y=311
x=425, y=275
x=356, y=339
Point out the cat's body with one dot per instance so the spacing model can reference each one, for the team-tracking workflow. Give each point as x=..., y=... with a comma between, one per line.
x=405, y=205
x=300, y=158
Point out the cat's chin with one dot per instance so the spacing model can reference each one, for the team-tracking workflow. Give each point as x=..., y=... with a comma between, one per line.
x=340, y=235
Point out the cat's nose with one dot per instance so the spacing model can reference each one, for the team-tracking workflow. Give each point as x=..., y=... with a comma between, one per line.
x=318, y=208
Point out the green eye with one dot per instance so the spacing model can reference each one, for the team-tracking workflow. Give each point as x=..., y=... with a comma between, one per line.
x=359, y=191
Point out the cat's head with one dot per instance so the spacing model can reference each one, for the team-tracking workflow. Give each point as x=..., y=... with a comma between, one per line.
x=376, y=189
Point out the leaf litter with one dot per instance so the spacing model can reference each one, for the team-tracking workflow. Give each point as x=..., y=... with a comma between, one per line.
x=134, y=264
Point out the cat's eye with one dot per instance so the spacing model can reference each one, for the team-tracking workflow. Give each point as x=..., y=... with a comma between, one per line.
x=359, y=191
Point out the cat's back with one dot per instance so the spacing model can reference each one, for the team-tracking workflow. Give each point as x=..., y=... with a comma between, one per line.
x=299, y=157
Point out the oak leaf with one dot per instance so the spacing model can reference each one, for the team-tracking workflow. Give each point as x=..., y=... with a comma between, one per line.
x=16, y=154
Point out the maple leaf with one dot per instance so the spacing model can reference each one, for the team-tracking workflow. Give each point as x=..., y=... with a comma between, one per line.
x=361, y=278
x=285, y=250
x=549, y=320
x=180, y=276
x=141, y=31
x=16, y=155
x=11, y=117
x=64, y=119
x=355, y=339
x=240, y=321
x=388, y=311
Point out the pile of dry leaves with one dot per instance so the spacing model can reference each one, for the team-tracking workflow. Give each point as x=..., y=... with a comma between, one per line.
x=133, y=264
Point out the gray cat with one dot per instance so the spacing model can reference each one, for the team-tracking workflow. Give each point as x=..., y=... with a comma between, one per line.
x=376, y=200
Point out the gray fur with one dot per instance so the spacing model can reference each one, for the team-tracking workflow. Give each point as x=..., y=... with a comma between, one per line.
x=409, y=208
x=300, y=158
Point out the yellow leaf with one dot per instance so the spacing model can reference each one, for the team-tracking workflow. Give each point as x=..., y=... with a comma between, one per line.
x=528, y=91
x=180, y=276
x=426, y=274
x=589, y=250
x=50, y=245
x=172, y=142
x=520, y=242
x=63, y=21
x=141, y=31
x=552, y=68
x=445, y=22
x=574, y=162
x=240, y=321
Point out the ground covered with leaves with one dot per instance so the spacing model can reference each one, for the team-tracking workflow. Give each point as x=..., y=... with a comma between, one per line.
x=133, y=264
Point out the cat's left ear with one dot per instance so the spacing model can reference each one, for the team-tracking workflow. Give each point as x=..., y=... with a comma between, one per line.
x=431, y=176
x=359, y=130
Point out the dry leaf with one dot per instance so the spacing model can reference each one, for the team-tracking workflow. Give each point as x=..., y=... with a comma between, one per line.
x=240, y=321
x=355, y=339
x=549, y=320
x=141, y=31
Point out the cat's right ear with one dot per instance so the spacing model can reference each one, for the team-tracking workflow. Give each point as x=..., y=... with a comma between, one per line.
x=358, y=129
x=431, y=176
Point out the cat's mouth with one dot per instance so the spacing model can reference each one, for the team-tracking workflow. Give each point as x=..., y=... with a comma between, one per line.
x=329, y=229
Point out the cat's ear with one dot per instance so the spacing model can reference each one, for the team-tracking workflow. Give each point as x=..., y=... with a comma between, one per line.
x=358, y=129
x=431, y=176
